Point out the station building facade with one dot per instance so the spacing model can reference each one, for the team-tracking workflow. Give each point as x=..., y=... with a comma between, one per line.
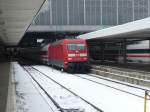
x=92, y=12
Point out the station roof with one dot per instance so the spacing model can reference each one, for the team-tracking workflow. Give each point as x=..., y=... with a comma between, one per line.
x=15, y=18
x=136, y=29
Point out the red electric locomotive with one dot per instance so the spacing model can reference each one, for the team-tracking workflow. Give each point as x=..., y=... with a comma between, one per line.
x=68, y=54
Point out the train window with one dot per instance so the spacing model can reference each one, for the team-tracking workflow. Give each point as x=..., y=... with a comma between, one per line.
x=76, y=47
x=80, y=46
x=71, y=47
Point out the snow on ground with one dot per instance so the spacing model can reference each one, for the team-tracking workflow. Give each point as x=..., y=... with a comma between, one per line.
x=28, y=98
x=108, y=99
x=63, y=97
x=125, y=88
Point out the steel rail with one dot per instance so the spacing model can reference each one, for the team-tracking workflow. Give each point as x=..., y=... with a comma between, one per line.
x=41, y=94
x=118, y=82
x=129, y=78
x=69, y=90
x=124, y=70
x=55, y=103
x=108, y=86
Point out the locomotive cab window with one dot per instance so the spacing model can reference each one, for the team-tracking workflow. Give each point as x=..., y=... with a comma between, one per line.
x=79, y=47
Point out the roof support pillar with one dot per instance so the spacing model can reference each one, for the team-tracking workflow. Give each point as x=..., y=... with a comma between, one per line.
x=124, y=51
x=102, y=51
x=68, y=14
x=133, y=9
x=51, y=18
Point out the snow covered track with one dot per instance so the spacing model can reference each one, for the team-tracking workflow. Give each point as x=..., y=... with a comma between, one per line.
x=118, y=82
x=104, y=97
x=91, y=78
x=126, y=75
x=63, y=98
x=55, y=103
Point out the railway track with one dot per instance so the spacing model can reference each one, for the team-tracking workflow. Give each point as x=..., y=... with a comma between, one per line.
x=127, y=70
x=105, y=90
x=89, y=78
x=47, y=94
x=40, y=78
x=126, y=75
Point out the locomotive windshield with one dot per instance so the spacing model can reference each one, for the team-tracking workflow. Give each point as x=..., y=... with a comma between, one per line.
x=80, y=47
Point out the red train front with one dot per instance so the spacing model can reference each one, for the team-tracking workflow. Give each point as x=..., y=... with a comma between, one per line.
x=69, y=54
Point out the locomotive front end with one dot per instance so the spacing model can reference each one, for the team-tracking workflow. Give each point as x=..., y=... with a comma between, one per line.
x=77, y=55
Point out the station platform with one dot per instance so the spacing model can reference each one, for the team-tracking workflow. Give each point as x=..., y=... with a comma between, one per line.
x=7, y=88
x=4, y=83
x=17, y=91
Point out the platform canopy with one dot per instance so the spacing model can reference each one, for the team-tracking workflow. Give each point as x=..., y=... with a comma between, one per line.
x=136, y=29
x=15, y=18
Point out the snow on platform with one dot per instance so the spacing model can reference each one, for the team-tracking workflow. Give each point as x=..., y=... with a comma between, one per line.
x=28, y=98
x=108, y=99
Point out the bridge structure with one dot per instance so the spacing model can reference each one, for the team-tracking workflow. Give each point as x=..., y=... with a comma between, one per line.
x=69, y=18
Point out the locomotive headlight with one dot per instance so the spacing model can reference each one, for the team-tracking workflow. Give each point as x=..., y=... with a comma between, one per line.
x=69, y=58
x=83, y=55
x=66, y=62
x=71, y=55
